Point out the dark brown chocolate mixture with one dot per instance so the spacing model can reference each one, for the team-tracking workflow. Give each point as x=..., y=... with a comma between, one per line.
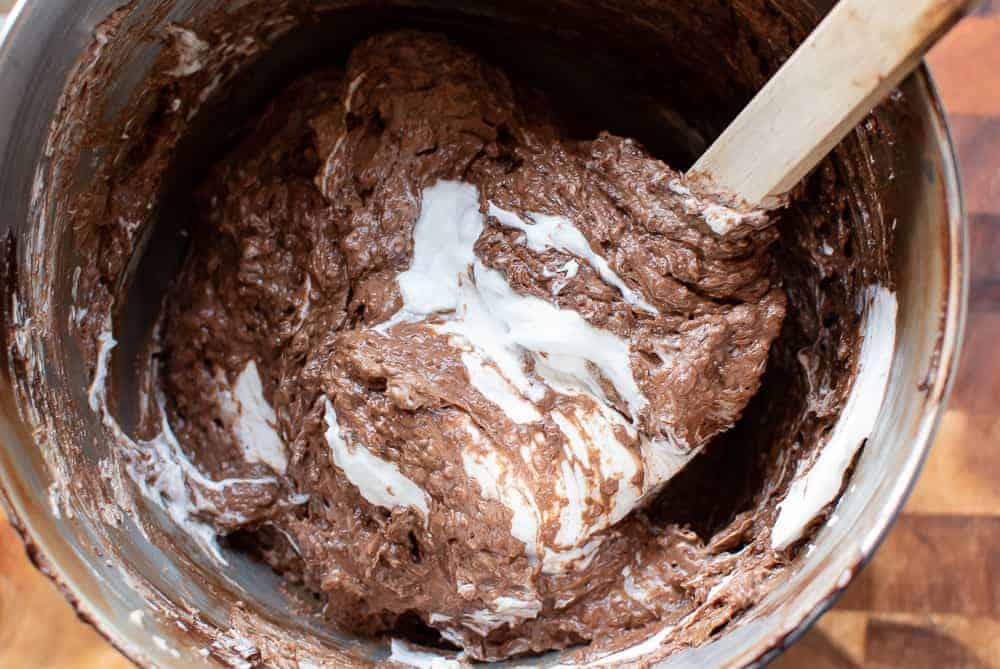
x=291, y=355
x=306, y=228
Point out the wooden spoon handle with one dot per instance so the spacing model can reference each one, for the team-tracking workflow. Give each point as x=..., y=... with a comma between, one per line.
x=854, y=58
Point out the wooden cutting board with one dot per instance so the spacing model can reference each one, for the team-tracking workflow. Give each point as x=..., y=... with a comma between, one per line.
x=931, y=597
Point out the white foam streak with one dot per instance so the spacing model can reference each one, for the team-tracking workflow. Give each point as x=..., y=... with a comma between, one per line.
x=663, y=459
x=546, y=232
x=159, y=467
x=191, y=51
x=496, y=388
x=352, y=89
x=497, y=481
x=594, y=432
x=636, y=652
x=163, y=473
x=568, y=272
x=503, y=611
x=105, y=344
x=570, y=559
x=488, y=316
x=408, y=655
x=254, y=421
x=379, y=481
x=719, y=218
x=569, y=342
x=816, y=486
x=443, y=241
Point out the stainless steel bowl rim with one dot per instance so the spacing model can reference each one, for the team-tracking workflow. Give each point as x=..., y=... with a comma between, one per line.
x=766, y=649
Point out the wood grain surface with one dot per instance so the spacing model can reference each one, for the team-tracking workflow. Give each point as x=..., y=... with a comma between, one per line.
x=931, y=597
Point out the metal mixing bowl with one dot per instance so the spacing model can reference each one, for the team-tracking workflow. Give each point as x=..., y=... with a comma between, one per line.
x=42, y=42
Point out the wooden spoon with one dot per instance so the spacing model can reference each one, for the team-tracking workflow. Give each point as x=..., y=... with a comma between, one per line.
x=853, y=60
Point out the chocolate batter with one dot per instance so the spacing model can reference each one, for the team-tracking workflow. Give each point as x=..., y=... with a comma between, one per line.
x=473, y=347
x=465, y=373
